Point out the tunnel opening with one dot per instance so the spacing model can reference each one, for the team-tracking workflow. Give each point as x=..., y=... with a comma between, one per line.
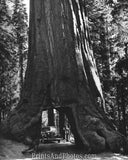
x=56, y=127
x=58, y=131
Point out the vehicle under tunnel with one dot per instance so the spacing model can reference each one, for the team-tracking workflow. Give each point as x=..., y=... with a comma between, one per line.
x=55, y=127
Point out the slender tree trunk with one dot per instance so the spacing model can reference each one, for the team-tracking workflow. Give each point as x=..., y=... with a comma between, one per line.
x=51, y=120
x=123, y=110
x=62, y=124
x=21, y=69
x=20, y=47
x=60, y=58
x=118, y=104
x=105, y=57
x=0, y=116
x=3, y=114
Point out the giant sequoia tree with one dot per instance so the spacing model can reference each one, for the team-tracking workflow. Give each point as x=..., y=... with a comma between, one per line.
x=61, y=63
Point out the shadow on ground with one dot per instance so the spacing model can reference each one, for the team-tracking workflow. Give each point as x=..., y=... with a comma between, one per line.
x=10, y=150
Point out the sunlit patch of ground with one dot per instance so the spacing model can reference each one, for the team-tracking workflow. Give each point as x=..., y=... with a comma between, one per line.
x=10, y=150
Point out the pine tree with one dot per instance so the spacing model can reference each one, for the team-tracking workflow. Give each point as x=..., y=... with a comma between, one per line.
x=20, y=28
x=5, y=57
x=9, y=55
x=109, y=23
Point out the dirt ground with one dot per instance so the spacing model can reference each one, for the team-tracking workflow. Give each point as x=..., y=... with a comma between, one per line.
x=10, y=150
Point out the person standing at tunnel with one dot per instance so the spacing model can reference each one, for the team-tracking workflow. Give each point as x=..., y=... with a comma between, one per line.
x=67, y=133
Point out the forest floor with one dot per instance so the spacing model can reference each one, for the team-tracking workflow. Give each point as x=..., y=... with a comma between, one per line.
x=11, y=150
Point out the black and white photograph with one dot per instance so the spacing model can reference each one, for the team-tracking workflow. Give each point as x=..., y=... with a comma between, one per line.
x=63, y=79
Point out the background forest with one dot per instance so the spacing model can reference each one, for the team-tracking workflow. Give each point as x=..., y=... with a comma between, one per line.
x=108, y=27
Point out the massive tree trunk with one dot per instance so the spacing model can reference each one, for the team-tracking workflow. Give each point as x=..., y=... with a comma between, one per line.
x=61, y=60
